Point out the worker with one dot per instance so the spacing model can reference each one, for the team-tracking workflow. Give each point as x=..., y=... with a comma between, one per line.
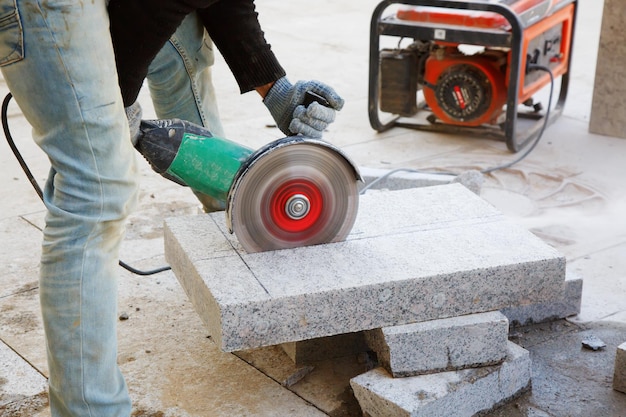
x=58, y=61
x=181, y=86
x=233, y=26
x=235, y=29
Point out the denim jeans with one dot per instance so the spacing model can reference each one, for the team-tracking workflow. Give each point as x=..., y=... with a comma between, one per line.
x=57, y=59
x=181, y=85
x=180, y=79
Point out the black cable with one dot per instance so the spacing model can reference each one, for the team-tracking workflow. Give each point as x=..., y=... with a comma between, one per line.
x=16, y=152
x=143, y=273
x=543, y=127
x=486, y=170
x=35, y=184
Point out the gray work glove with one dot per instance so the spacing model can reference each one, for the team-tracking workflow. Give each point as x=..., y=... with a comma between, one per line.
x=285, y=103
x=133, y=114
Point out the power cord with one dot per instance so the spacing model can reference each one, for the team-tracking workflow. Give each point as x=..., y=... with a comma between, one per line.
x=486, y=170
x=35, y=184
x=33, y=181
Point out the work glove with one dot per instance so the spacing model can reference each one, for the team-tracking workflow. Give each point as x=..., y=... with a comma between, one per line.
x=286, y=105
x=133, y=114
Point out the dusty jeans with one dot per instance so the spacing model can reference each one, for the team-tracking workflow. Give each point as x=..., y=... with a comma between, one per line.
x=66, y=86
x=180, y=79
x=57, y=60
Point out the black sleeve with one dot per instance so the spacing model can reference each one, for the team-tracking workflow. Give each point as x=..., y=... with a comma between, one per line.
x=139, y=29
x=234, y=27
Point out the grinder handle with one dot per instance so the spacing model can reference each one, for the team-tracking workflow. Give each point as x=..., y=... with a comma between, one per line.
x=310, y=97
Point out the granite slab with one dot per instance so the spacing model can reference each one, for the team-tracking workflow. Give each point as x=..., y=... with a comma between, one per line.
x=322, y=348
x=413, y=255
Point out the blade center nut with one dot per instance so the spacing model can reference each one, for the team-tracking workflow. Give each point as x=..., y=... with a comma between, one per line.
x=297, y=206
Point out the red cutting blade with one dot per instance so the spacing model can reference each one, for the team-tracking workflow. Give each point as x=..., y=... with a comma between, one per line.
x=296, y=195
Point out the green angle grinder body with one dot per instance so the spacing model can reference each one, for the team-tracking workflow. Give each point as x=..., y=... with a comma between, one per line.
x=190, y=155
x=292, y=192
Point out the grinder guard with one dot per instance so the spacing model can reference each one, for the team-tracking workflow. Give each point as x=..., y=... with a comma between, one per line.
x=287, y=148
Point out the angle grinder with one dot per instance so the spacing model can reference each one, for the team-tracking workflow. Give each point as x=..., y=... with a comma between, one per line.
x=292, y=192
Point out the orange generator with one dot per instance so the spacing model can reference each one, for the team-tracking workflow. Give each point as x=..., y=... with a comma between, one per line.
x=469, y=67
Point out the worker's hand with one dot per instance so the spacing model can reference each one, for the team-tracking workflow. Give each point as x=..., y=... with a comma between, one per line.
x=133, y=114
x=285, y=103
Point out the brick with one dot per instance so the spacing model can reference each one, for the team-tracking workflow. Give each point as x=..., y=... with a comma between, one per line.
x=441, y=345
x=461, y=393
x=444, y=252
x=313, y=350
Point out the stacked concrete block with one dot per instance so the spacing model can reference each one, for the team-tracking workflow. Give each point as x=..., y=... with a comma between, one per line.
x=307, y=351
x=454, y=393
x=619, y=376
x=433, y=277
x=441, y=345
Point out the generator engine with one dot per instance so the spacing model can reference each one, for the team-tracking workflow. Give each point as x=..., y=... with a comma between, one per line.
x=463, y=89
x=462, y=82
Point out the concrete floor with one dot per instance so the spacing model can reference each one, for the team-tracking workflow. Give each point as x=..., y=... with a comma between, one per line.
x=569, y=191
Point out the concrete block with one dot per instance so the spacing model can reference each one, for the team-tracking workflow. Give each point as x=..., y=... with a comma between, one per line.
x=608, y=104
x=441, y=345
x=19, y=381
x=384, y=179
x=461, y=393
x=619, y=375
x=313, y=350
x=275, y=363
x=392, y=270
x=324, y=384
x=567, y=304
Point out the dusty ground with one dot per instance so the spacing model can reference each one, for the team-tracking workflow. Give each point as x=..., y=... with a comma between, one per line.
x=568, y=379
x=569, y=192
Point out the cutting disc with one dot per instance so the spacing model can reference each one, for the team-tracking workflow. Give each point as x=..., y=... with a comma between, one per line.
x=294, y=195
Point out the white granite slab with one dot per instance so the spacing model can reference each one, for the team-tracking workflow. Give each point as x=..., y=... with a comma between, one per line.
x=413, y=255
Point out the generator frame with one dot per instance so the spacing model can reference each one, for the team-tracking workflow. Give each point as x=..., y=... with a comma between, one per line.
x=487, y=37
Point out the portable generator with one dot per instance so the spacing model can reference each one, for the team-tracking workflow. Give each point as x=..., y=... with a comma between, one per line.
x=469, y=67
